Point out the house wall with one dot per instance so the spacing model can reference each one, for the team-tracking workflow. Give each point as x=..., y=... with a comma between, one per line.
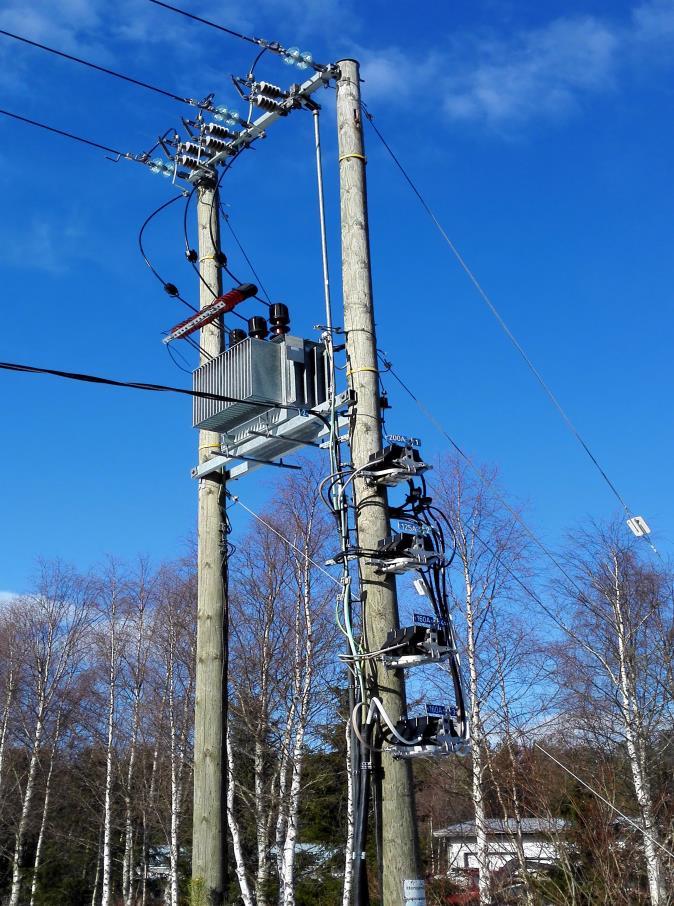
x=461, y=852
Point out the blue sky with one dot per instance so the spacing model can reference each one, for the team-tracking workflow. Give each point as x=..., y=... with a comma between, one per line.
x=542, y=136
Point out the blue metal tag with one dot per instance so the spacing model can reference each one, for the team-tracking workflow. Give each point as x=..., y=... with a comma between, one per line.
x=424, y=619
x=402, y=439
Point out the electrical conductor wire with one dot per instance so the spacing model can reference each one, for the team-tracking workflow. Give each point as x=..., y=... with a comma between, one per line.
x=228, y=31
x=98, y=68
x=495, y=312
x=71, y=135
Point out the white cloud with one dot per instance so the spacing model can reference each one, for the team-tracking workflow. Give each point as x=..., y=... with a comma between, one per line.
x=495, y=79
x=54, y=245
x=504, y=81
x=654, y=21
x=392, y=73
x=543, y=71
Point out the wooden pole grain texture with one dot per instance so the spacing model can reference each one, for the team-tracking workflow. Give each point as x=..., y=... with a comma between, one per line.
x=400, y=847
x=209, y=834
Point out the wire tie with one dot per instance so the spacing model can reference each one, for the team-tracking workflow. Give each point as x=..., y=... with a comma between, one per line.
x=208, y=258
x=359, y=156
x=209, y=446
x=356, y=370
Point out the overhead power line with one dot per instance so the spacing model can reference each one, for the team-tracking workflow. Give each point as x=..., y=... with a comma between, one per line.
x=471, y=463
x=143, y=385
x=501, y=322
x=272, y=46
x=71, y=135
x=228, y=31
x=284, y=538
x=97, y=67
x=243, y=252
x=630, y=821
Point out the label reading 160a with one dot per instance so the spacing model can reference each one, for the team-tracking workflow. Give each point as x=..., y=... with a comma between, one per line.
x=425, y=619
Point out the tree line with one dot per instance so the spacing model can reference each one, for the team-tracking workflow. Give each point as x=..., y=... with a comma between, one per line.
x=569, y=677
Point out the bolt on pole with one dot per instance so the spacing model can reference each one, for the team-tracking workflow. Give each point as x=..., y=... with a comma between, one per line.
x=209, y=821
x=400, y=847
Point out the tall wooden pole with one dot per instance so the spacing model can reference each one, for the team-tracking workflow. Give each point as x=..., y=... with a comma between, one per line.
x=400, y=848
x=209, y=833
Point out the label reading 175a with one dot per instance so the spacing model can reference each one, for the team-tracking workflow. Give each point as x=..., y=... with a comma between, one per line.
x=412, y=528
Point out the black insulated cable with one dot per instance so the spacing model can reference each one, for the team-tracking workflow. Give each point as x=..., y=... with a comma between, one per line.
x=155, y=388
x=501, y=322
x=223, y=28
x=70, y=135
x=97, y=67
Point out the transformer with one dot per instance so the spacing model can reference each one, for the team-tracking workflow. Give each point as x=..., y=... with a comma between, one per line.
x=282, y=401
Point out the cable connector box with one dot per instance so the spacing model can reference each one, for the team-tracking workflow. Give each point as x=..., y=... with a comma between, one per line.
x=415, y=645
x=403, y=552
x=431, y=735
x=394, y=464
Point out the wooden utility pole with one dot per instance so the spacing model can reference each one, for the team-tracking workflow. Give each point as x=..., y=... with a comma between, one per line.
x=400, y=847
x=209, y=829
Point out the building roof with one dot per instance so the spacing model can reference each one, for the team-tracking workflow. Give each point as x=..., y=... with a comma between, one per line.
x=504, y=826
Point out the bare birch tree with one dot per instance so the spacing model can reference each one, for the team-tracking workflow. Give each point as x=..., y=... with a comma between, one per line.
x=111, y=600
x=134, y=659
x=489, y=548
x=178, y=638
x=614, y=672
x=52, y=625
x=281, y=648
x=9, y=667
x=45, y=808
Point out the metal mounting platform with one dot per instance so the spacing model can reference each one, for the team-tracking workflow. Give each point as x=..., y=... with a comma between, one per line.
x=445, y=745
x=268, y=437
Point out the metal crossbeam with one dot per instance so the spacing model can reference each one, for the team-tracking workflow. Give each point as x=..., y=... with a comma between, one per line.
x=264, y=447
x=256, y=129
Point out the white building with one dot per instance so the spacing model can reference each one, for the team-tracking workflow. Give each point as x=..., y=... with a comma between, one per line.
x=541, y=839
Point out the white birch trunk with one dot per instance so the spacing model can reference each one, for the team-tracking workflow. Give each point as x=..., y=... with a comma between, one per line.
x=9, y=695
x=348, y=854
x=178, y=744
x=43, y=693
x=261, y=828
x=138, y=673
x=302, y=687
x=97, y=876
x=262, y=808
x=127, y=865
x=45, y=810
x=478, y=742
x=26, y=804
x=106, y=889
x=285, y=763
x=244, y=886
x=150, y=805
x=636, y=751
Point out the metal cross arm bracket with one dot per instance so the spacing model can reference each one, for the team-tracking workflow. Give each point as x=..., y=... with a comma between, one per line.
x=256, y=129
x=268, y=437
